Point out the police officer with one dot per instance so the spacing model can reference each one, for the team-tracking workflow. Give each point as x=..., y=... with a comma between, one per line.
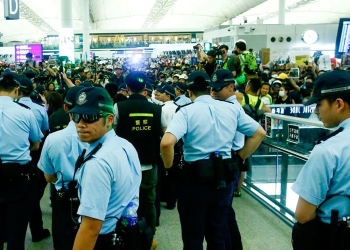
x=323, y=182
x=224, y=89
x=207, y=127
x=111, y=175
x=180, y=90
x=167, y=96
x=60, y=152
x=20, y=134
x=36, y=222
x=147, y=126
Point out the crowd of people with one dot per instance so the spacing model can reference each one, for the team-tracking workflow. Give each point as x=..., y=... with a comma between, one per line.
x=98, y=126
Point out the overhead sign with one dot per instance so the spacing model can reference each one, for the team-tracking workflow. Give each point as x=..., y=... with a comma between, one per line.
x=11, y=9
x=22, y=49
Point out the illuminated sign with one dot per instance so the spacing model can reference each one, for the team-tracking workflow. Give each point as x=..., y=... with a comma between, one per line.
x=293, y=110
x=22, y=49
x=11, y=9
x=293, y=133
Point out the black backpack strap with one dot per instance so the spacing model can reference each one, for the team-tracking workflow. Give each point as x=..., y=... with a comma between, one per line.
x=325, y=138
x=179, y=107
x=246, y=98
x=23, y=105
x=257, y=104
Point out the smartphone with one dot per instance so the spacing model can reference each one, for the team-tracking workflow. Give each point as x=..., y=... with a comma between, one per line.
x=294, y=73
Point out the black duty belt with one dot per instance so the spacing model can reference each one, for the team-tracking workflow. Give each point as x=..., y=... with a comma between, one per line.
x=14, y=172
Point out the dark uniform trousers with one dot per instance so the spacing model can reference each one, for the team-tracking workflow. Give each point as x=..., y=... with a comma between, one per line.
x=16, y=203
x=147, y=198
x=233, y=241
x=63, y=228
x=203, y=213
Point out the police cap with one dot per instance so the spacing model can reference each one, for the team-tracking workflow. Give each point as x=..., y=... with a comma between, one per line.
x=222, y=78
x=25, y=84
x=136, y=81
x=91, y=101
x=181, y=86
x=198, y=80
x=331, y=83
x=71, y=95
x=167, y=89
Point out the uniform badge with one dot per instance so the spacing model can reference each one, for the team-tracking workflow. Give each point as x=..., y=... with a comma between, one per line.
x=82, y=99
x=214, y=78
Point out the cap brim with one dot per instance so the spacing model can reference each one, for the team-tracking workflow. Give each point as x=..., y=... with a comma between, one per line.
x=84, y=110
x=312, y=100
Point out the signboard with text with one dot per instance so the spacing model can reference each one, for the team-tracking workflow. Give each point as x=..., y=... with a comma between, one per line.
x=11, y=9
x=22, y=49
x=293, y=133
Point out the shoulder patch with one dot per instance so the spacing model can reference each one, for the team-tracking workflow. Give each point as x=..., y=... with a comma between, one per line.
x=179, y=107
x=23, y=105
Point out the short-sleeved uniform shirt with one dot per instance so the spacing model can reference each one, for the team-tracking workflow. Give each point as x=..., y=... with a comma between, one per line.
x=59, y=154
x=38, y=111
x=18, y=128
x=209, y=125
x=182, y=100
x=327, y=174
x=109, y=181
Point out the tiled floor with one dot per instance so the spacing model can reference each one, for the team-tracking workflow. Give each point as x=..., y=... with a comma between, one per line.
x=260, y=229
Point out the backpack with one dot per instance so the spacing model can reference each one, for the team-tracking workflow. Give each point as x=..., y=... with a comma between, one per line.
x=248, y=63
x=253, y=111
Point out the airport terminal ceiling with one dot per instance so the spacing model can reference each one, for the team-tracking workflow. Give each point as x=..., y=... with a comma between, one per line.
x=41, y=18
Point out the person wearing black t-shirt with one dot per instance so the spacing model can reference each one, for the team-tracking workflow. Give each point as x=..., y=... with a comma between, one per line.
x=283, y=97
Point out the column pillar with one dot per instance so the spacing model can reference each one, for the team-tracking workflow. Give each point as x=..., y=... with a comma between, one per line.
x=66, y=45
x=282, y=12
x=86, y=34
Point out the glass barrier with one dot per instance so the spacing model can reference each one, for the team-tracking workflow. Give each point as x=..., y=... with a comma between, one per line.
x=275, y=165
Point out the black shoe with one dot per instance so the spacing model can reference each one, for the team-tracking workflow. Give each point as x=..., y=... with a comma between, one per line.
x=43, y=235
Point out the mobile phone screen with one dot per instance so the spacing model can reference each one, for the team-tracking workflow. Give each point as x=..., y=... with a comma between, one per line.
x=294, y=73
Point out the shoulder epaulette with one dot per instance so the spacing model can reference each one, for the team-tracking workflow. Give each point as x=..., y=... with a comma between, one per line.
x=23, y=105
x=179, y=107
x=325, y=138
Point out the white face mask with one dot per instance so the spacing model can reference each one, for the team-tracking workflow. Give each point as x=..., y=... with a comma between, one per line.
x=281, y=93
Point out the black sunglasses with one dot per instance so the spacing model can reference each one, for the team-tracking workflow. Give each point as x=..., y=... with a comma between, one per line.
x=88, y=118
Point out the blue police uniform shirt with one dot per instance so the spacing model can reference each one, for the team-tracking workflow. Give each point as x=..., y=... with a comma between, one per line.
x=182, y=100
x=109, y=181
x=238, y=140
x=327, y=174
x=38, y=111
x=18, y=127
x=209, y=125
x=60, y=152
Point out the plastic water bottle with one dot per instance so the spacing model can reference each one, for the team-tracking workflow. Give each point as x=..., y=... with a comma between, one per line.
x=129, y=215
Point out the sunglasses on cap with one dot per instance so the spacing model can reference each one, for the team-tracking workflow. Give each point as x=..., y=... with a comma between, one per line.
x=88, y=118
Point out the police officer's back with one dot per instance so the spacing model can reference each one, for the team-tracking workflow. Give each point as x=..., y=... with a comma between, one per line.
x=19, y=134
x=207, y=127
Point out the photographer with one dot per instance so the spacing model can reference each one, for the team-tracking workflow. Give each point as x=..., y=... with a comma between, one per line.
x=209, y=66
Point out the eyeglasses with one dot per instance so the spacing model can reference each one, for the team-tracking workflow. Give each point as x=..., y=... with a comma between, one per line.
x=88, y=118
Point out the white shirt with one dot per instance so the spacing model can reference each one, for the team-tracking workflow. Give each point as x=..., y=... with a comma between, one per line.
x=169, y=109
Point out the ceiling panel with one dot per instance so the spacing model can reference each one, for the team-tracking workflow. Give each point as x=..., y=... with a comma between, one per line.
x=182, y=15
